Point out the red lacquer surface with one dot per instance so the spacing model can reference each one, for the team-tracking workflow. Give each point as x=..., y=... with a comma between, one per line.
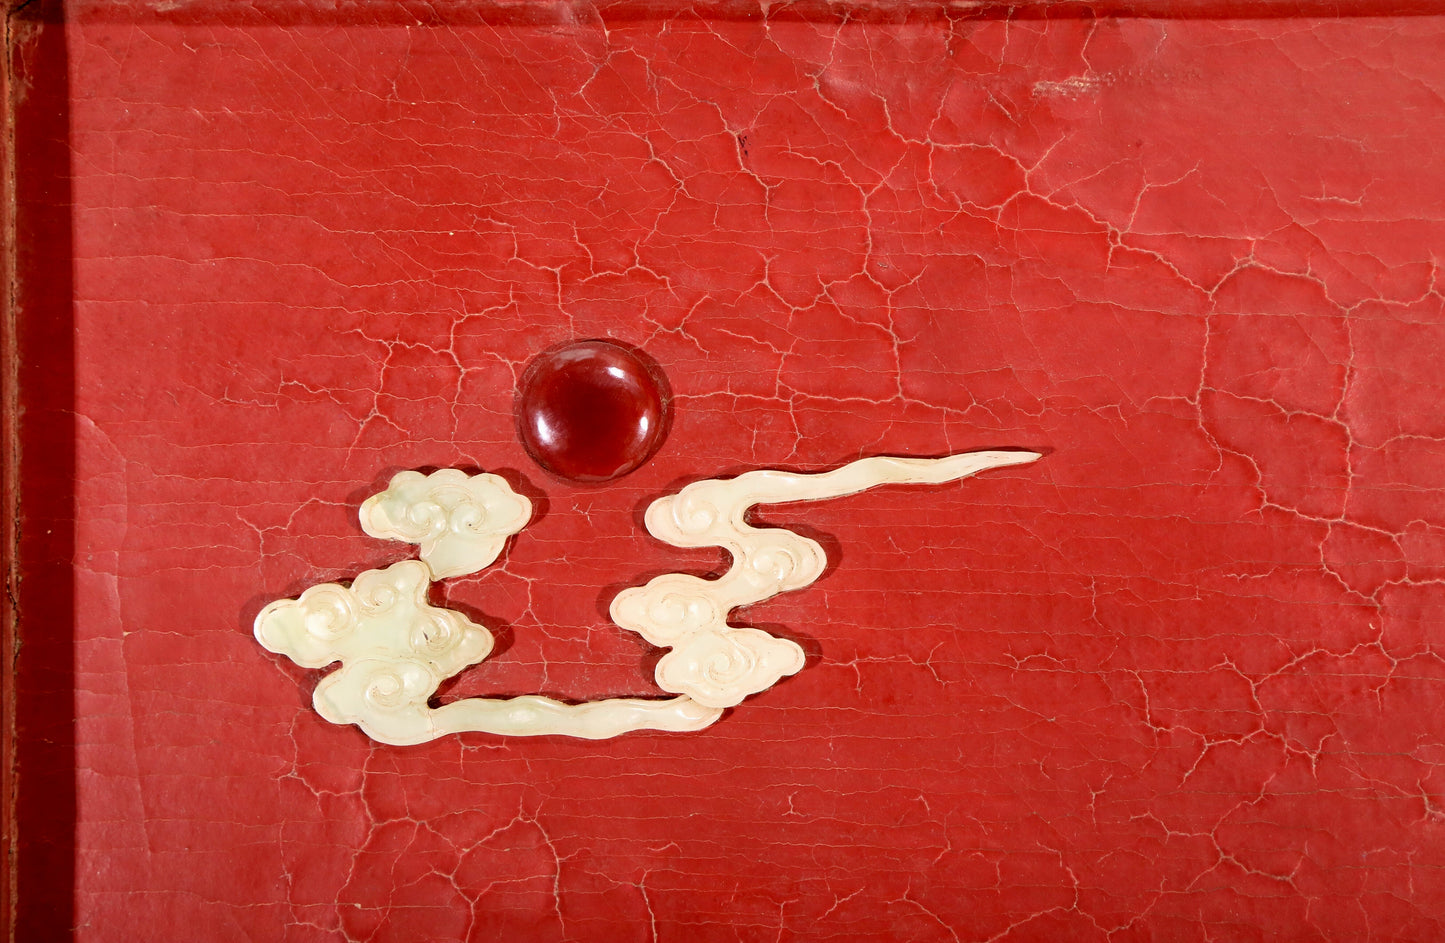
x=1177, y=680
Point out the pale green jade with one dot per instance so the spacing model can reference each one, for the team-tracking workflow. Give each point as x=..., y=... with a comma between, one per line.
x=396, y=649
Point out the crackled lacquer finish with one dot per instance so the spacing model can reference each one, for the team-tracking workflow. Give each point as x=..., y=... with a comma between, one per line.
x=1179, y=680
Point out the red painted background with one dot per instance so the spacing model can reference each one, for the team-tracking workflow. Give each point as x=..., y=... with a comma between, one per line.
x=1179, y=680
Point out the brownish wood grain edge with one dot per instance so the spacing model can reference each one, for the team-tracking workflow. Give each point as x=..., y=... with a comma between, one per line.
x=585, y=13
x=9, y=494
x=36, y=887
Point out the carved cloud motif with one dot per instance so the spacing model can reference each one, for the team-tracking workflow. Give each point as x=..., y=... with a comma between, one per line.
x=718, y=664
x=460, y=522
x=395, y=648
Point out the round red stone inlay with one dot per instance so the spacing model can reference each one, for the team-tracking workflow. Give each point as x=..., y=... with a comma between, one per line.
x=591, y=412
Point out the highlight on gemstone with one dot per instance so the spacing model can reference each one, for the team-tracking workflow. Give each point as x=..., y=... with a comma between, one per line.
x=591, y=411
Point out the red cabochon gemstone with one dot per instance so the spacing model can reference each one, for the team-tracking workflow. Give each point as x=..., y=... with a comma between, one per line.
x=591, y=412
